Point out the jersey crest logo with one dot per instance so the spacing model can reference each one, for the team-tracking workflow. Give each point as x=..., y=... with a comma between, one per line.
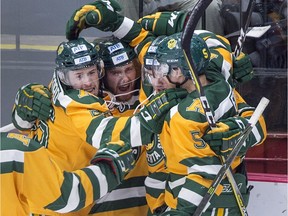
x=154, y=152
x=22, y=138
x=60, y=49
x=196, y=106
x=94, y=113
x=171, y=43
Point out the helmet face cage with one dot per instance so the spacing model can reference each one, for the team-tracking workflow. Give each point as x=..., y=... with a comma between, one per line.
x=75, y=55
x=171, y=59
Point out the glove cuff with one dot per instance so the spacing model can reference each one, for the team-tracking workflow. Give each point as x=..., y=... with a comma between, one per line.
x=122, y=27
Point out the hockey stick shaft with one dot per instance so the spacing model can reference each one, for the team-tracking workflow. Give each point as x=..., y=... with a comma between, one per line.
x=243, y=31
x=7, y=128
x=195, y=15
x=211, y=190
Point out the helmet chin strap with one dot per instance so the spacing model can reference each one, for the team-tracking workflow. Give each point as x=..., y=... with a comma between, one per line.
x=113, y=99
x=178, y=85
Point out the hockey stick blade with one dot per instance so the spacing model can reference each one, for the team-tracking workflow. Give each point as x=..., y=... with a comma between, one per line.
x=211, y=190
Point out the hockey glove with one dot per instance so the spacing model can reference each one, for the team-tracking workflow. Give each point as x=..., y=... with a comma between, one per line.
x=164, y=23
x=33, y=101
x=118, y=156
x=223, y=138
x=152, y=115
x=99, y=14
x=242, y=68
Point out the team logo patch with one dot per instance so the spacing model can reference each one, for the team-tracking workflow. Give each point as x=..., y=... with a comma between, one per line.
x=97, y=47
x=22, y=138
x=171, y=43
x=196, y=106
x=94, y=113
x=60, y=49
x=155, y=153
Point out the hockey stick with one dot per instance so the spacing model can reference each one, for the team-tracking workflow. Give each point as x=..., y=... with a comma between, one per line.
x=195, y=15
x=211, y=190
x=243, y=32
x=7, y=128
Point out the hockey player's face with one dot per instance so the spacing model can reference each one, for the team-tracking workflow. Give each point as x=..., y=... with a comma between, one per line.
x=86, y=79
x=121, y=81
x=164, y=77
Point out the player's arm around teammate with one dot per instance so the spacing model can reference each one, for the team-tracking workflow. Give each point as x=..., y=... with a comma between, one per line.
x=30, y=176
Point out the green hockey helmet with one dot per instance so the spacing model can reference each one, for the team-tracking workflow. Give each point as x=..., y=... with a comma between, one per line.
x=115, y=52
x=149, y=58
x=151, y=52
x=170, y=55
x=75, y=55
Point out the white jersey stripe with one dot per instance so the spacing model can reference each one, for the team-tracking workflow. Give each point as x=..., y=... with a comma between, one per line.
x=11, y=155
x=135, y=132
x=191, y=196
x=125, y=193
x=101, y=179
x=96, y=139
x=209, y=169
x=73, y=200
x=154, y=183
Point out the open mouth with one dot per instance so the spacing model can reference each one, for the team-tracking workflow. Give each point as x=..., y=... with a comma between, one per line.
x=90, y=90
x=124, y=87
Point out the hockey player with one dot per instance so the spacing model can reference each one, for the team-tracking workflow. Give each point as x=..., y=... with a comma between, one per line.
x=29, y=176
x=120, y=86
x=83, y=118
x=196, y=163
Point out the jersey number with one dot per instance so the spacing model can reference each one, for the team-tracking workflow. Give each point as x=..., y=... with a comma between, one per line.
x=198, y=142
